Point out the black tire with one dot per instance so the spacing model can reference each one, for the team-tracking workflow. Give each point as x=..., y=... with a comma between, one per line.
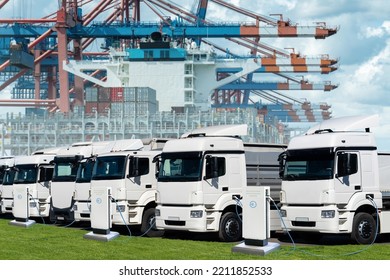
x=364, y=228
x=230, y=228
x=148, y=226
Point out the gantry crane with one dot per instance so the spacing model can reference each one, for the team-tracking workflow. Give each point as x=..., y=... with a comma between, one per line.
x=51, y=36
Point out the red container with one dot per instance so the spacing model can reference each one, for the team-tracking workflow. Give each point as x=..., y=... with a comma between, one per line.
x=116, y=94
x=91, y=107
x=103, y=108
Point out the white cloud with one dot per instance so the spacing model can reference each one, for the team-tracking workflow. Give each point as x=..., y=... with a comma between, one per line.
x=381, y=31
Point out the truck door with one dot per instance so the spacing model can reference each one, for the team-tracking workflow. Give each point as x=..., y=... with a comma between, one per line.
x=139, y=178
x=348, y=176
x=216, y=180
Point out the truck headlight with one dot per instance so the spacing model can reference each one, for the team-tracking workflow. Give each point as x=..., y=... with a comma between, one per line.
x=283, y=213
x=33, y=204
x=328, y=213
x=196, y=214
x=75, y=207
x=157, y=212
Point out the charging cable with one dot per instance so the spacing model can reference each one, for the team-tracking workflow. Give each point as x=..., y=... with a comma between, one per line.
x=128, y=228
x=36, y=206
x=282, y=221
x=238, y=204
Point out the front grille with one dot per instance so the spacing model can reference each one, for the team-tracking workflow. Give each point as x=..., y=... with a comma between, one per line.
x=175, y=223
x=303, y=224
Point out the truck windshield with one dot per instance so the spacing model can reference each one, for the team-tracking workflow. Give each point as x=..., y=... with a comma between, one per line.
x=84, y=173
x=8, y=178
x=315, y=164
x=26, y=174
x=65, y=171
x=108, y=168
x=180, y=167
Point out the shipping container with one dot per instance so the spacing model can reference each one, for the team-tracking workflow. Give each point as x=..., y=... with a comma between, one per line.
x=116, y=94
x=129, y=94
x=129, y=109
x=146, y=108
x=146, y=94
x=103, y=94
x=116, y=108
x=91, y=94
x=103, y=107
x=91, y=107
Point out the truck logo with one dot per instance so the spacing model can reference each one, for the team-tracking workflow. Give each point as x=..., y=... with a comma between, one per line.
x=253, y=204
x=98, y=200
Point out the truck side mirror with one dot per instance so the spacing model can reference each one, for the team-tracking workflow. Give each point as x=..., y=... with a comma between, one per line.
x=157, y=160
x=282, y=163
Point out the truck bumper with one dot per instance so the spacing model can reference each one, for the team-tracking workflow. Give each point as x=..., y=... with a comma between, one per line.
x=6, y=205
x=309, y=219
x=179, y=218
x=82, y=211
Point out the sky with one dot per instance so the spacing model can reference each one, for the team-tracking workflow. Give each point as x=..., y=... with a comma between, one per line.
x=362, y=45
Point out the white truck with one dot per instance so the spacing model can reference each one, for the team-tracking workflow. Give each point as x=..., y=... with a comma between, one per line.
x=203, y=174
x=34, y=173
x=335, y=181
x=66, y=163
x=6, y=180
x=131, y=174
x=82, y=192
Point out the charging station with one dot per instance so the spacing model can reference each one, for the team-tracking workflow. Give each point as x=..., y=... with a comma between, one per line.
x=101, y=215
x=20, y=210
x=256, y=222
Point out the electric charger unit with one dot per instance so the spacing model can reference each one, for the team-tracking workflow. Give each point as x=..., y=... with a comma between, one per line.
x=256, y=216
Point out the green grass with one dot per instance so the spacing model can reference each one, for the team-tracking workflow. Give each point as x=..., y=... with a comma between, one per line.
x=52, y=242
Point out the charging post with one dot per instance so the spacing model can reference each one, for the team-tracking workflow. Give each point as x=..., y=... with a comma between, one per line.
x=20, y=210
x=101, y=215
x=256, y=222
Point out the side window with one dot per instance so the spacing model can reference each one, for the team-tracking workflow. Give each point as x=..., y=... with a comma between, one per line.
x=221, y=166
x=143, y=166
x=215, y=167
x=46, y=174
x=347, y=164
x=138, y=166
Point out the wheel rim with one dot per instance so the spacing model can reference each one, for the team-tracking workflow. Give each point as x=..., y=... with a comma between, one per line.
x=232, y=227
x=365, y=229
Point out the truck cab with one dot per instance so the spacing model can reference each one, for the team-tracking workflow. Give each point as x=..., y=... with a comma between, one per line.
x=131, y=175
x=331, y=181
x=66, y=164
x=34, y=173
x=199, y=186
x=7, y=173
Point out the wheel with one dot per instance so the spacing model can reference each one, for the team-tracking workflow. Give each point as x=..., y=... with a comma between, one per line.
x=230, y=229
x=363, y=228
x=148, y=226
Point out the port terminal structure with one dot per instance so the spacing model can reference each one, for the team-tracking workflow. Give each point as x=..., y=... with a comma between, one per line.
x=153, y=78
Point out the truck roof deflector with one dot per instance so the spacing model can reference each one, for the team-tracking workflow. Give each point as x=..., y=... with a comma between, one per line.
x=220, y=130
x=346, y=124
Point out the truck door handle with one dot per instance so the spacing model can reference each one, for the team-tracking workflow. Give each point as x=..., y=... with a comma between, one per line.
x=148, y=186
x=357, y=188
x=225, y=189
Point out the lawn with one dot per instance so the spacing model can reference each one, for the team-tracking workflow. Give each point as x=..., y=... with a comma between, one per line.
x=43, y=241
